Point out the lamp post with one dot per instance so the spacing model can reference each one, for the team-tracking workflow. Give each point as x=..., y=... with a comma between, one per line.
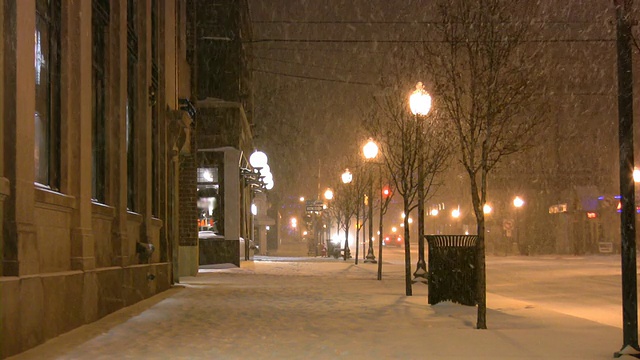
x=346, y=179
x=328, y=195
x=384, y=201
x=358, y=227
x=370, y=151
x=517, y=203
x=262, y=180
x=624, y=36
x=420, y=105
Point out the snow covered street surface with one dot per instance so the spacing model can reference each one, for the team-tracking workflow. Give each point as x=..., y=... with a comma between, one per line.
x=302, y=308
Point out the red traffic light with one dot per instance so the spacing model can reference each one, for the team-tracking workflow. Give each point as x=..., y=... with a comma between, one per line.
x=386, y=192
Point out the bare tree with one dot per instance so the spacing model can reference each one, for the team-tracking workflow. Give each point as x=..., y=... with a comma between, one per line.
x=405, y=143
x=345, y=203
x=483, y=71
x=386, y=195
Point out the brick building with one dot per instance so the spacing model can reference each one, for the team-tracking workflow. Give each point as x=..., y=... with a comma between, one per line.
x=88, y=196
x=222, y=93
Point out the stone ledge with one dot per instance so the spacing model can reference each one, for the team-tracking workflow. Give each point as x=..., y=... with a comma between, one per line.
x=133, y=216
x=103, y=211
x=54, y=200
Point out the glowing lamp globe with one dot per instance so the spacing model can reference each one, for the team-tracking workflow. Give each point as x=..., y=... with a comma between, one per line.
x=258, y=159
x=370, y=149
x=420, y=101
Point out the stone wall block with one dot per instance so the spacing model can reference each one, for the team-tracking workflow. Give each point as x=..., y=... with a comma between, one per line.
x=73, y=305
x=31, y=312
x=9, y=317
x=136, y=285
x=90, y=297
x=54, y=289
x=110, y=291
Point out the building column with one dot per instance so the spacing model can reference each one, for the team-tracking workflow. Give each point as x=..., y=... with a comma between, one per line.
x=4, y=182
x=20, y=255
x=117, y=150
x=143, y=126
x=188, y=234
x=232, y=201
x=79, y=113
x=163, y=159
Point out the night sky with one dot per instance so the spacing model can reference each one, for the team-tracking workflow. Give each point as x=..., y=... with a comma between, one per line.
x=317, y=64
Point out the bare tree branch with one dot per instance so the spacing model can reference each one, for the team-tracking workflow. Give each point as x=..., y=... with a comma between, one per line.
x=485, y=80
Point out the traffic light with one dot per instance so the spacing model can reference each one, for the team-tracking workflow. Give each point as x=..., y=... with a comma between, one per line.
x=386, y=192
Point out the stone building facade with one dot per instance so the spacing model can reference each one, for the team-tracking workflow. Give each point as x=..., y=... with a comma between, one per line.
x=218, y=52
x=88, y=186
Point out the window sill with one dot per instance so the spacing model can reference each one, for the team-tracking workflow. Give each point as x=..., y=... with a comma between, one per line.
x=103, y=211
x=135, y=217
x=155, y=222
x=54, y=200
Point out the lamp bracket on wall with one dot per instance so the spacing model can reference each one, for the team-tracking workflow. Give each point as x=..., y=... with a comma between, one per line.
x=186, y=105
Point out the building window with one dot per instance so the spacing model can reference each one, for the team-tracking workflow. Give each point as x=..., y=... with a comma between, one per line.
x=132, y=73
x=100, y=30
x=47, y=114
x=153, y=98
x=209, y=201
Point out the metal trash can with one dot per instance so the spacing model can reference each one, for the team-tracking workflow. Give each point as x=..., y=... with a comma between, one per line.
x=452, y=269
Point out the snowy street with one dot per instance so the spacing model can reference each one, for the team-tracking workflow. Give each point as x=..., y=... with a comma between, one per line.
x=318, y=308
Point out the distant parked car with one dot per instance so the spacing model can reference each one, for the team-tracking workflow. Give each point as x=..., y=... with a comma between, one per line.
x=392, y=240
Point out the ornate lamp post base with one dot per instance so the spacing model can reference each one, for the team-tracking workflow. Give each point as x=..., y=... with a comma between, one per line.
x=421, y=274
x=370, y=259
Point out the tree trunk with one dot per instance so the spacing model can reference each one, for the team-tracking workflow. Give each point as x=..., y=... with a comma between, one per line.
x=481, y=289
x=357, y=230
x=481, y=284
x=346, y=241
x=381, y=238
x=407, y=252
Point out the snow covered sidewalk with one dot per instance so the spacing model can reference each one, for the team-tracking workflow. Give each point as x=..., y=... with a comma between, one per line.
x=327, y=309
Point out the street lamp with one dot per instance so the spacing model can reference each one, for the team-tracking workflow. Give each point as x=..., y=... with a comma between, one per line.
x=384, y=202
x=328, y=194
x=420, y=101
x=420, y=105
x=517, y=203
x=370, y=151
x=347, y=177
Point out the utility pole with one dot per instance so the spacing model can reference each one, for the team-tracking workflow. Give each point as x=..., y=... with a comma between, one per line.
x=627, y=191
